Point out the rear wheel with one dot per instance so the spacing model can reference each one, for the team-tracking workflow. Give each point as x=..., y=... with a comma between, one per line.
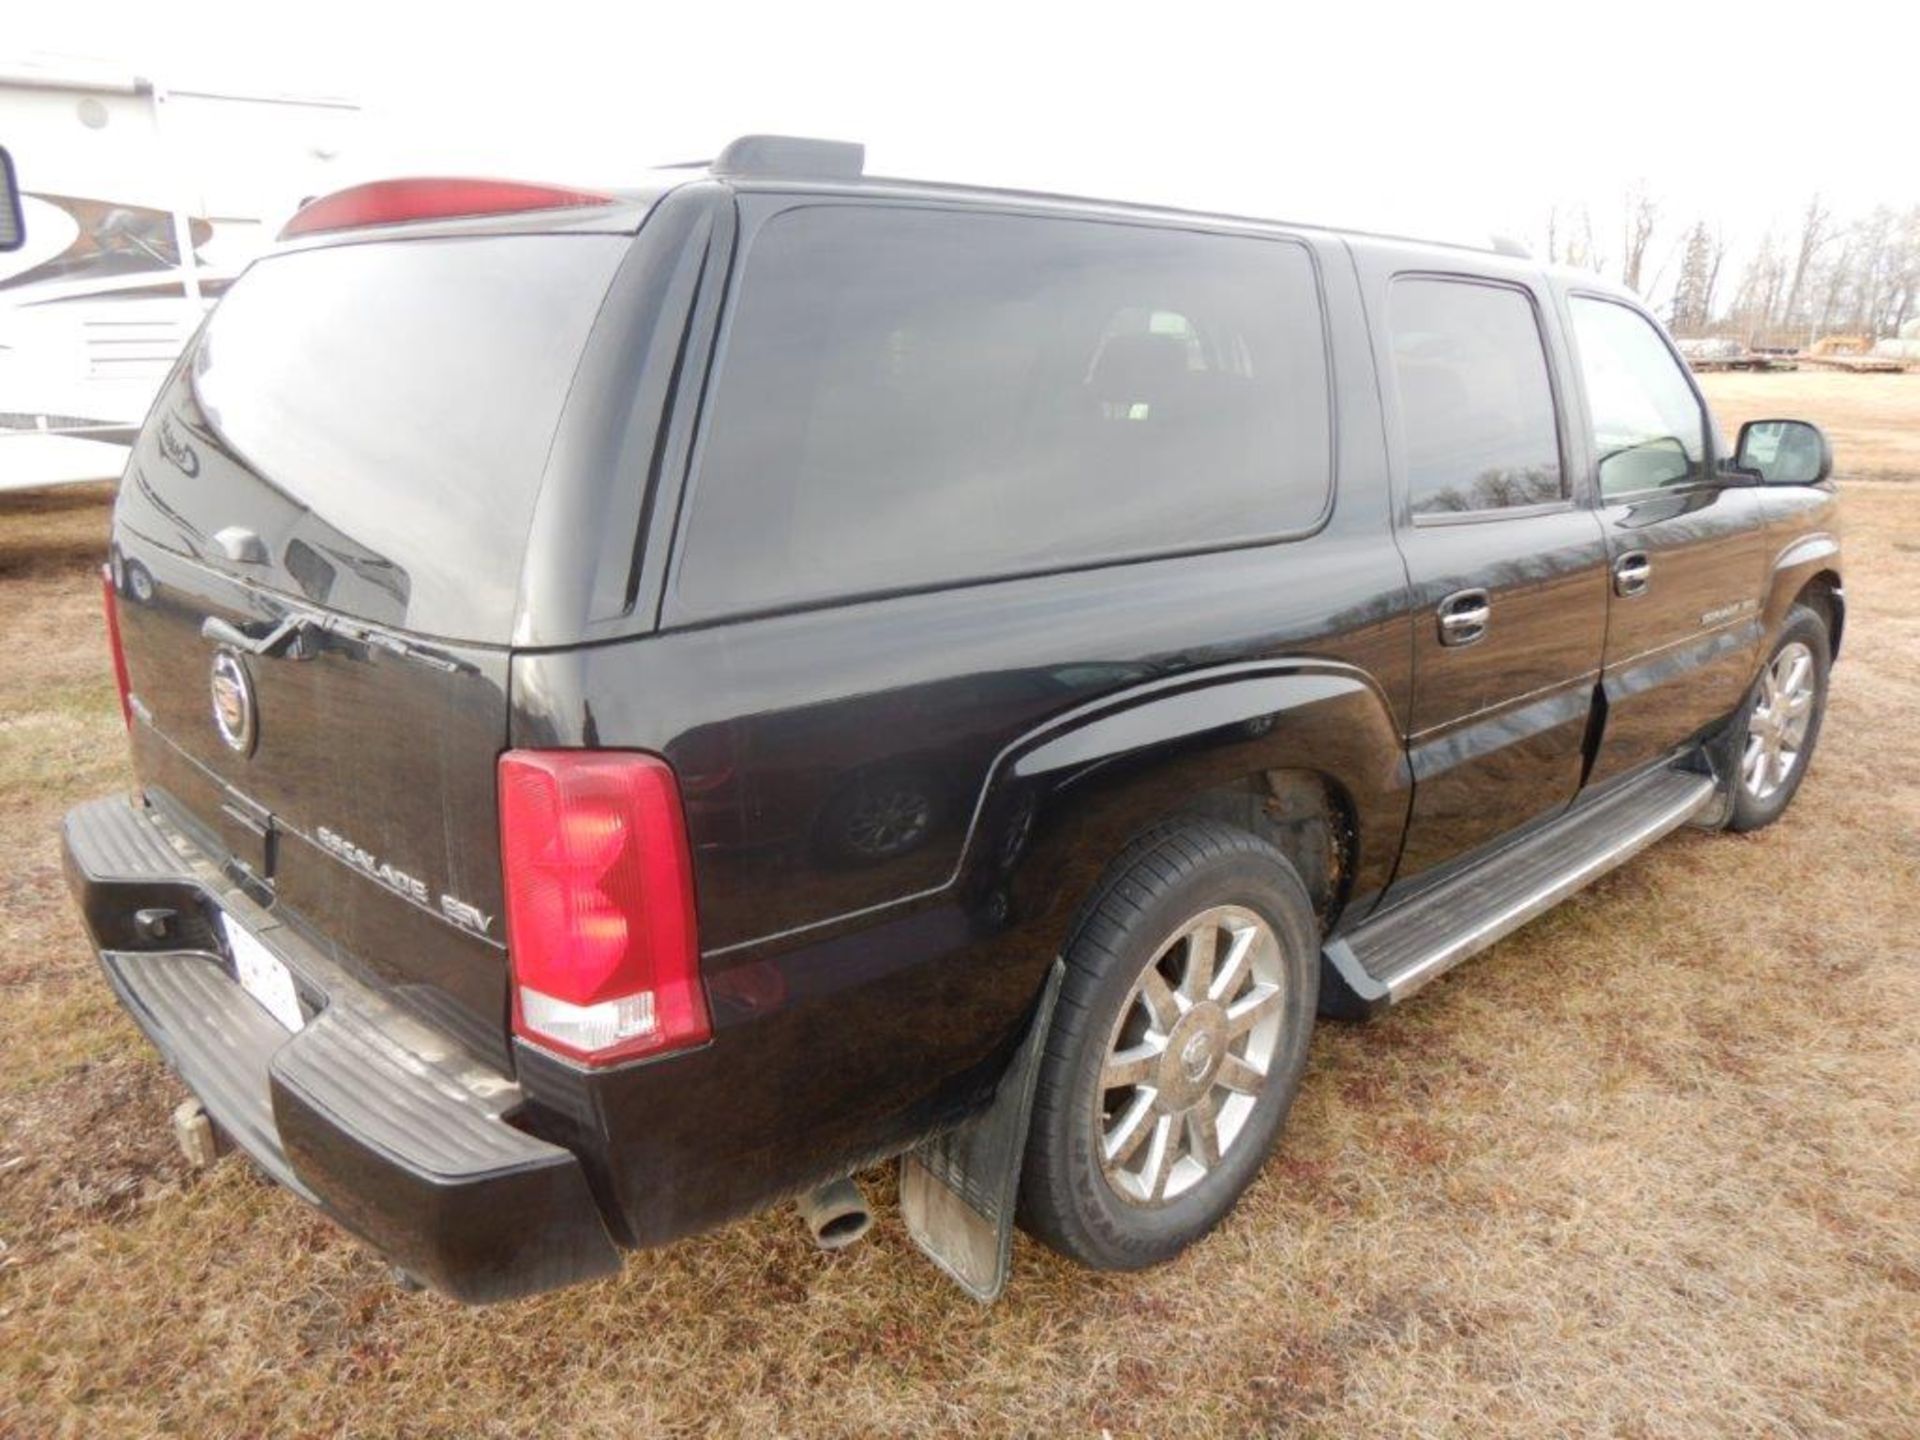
x=1176, y=1048
x=1780, y=722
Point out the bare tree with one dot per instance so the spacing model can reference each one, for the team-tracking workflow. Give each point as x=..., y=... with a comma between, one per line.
x=1904, y=296
x=1858, y=276
x=1839, y=275
x=1642, y=213
x=1660, y=270
x=1864, y=287
x=1713, y=270
x=1759, y=291
x=1813, y=233
x=1579, y=248
x=1693, y=291
x=1868, y=253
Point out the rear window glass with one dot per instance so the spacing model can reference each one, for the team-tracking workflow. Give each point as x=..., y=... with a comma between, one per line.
x=393, y=405
x=915, y=397
x=1476, y=406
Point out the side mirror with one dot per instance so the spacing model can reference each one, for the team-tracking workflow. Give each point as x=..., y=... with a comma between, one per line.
x=13, y=225
x=1784, y=452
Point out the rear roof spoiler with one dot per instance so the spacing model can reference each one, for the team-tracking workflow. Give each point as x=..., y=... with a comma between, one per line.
x=429, y=197
x=440, y=197
x=791, y=157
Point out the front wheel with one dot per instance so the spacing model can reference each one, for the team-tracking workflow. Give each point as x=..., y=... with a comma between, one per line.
x=1176, y=1048
x=1780, y=722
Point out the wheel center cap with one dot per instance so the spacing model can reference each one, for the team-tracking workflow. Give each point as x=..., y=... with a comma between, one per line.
x=1194, y=1051
x=1196, y=1056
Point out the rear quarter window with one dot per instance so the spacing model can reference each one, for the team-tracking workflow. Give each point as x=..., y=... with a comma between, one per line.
x=908, y=398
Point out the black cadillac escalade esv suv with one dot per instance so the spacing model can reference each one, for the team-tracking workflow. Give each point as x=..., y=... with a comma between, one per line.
x=645, y=703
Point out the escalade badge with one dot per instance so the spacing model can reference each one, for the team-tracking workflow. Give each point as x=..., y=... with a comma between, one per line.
x=233, y=708
x=410, y=887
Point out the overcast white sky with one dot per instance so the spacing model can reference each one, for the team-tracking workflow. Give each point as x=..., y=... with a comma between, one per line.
x=1440, y=120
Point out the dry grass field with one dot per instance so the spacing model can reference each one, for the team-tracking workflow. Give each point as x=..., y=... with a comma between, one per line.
x=1649, y=1168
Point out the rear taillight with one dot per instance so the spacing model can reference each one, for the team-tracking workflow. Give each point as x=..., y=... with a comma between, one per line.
x=111, y=598
x=600, y=920
x=395, y=202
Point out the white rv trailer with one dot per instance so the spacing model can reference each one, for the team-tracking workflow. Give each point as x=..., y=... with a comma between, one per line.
x=139, y=204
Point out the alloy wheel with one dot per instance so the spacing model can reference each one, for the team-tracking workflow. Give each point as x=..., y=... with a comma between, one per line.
x=1777, y=730
x=1189, y=1055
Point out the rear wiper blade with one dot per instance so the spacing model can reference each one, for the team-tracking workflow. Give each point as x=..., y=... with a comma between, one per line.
x=298, y=636
x=292, y=630
x=394, y=645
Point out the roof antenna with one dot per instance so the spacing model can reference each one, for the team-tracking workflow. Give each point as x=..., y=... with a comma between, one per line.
x=1507, y=245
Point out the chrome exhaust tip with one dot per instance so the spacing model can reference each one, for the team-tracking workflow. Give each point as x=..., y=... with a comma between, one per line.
x=836, y=1215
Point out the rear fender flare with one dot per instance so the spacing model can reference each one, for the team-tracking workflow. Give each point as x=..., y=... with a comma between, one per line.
x=1069, y=797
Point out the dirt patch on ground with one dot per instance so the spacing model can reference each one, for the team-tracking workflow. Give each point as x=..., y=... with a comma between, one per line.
x=1649, y=1168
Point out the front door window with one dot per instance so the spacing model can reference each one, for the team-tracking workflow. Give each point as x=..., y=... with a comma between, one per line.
x=1648, y=428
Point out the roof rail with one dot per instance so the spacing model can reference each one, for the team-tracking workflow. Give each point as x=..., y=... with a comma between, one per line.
x=791, y=156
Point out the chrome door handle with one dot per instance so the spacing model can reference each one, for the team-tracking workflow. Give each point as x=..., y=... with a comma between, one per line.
x=1463, y=617
x=1631, y=573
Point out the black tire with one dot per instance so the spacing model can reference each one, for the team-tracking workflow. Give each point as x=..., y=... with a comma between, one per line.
x=1750, y=810
x=1164, y=880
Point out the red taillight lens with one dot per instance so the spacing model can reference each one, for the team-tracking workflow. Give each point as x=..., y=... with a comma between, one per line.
x=111, y=598
x=394, y=202
x=600, y=922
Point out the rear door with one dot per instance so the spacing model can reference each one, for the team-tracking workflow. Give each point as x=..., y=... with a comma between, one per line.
x=1685, y=542
x=318, y=549
x=1506, y=564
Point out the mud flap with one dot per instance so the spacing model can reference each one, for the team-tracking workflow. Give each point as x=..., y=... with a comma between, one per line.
x=1720, y=758
x=958, y=1190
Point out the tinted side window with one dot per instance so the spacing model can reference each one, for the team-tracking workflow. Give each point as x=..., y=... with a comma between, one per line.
x=909, y=397
x=1476, y=406
x=1648, y=428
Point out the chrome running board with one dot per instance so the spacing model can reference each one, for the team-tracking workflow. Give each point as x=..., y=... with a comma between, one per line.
x=1395, y=953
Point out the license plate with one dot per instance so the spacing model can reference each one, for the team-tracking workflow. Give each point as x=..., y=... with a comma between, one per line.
x=263, y=976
